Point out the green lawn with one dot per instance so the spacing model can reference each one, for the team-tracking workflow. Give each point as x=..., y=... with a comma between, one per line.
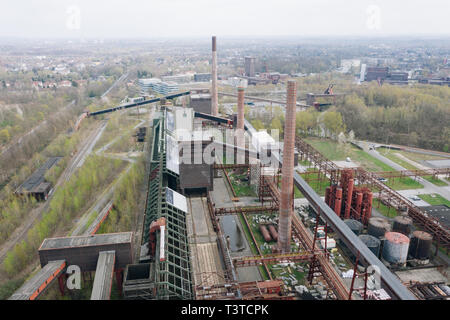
x=248, y=235
x=403, y=183
x=418, y=157
x=434, y=199
x=333, y=151
x=383, y=209
x=435, y=181
x=390, y=154
x=312, y=179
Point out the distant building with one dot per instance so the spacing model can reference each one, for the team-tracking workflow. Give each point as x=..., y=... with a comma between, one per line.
x=363, y=73
x=375, y=73
x=249, y=66
x=201, y=102
x=398, y=76
x=36, y=185
x=65, y=83
x=180, y=78
x=165, y=88
x=202, y=77
x=237, y=82
x=158, y=86
x=147, y=84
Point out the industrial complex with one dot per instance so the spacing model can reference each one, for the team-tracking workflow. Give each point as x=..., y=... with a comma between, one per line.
x=229, y=215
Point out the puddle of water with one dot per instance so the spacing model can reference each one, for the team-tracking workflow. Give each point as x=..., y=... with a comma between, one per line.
x=236, y=236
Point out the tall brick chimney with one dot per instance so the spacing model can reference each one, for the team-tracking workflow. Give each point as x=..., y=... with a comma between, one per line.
x=240, y=140
x=240, y=109
x=214, y=94
x=287, y=185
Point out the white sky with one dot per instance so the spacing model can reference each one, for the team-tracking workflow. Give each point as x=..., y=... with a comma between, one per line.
x=172, y=18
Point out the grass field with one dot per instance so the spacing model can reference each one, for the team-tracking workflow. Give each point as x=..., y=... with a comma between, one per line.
x=242, y=188
x=434, y=199
x=390, y=154
x=418, y=157
x=312, y=179
x=435, y=181
x=383, y=209
x=333, y=151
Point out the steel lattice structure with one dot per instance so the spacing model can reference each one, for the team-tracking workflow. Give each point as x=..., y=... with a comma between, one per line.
x=173, y=275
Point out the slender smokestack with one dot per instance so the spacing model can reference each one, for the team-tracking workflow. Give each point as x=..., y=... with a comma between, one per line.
x=214, y=95
x=240, y=141
x=284, y=228
x=240, y=109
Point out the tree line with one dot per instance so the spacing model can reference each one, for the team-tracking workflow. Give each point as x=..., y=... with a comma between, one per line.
x=68, y=201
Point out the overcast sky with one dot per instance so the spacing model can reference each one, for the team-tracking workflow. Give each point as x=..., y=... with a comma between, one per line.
x=198, y=18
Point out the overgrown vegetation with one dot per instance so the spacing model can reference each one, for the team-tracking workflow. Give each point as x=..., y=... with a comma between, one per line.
x=68, y=201
x=126, y=201
x=414, y=115
x=385, y=210
x=13, y=209
x=241, y=184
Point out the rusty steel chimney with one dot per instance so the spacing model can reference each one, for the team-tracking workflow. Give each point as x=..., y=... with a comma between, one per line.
x=287, y=185
x=214, y=94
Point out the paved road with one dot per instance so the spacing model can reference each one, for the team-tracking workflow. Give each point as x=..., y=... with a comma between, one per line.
x=366, y=144
x=428, y=186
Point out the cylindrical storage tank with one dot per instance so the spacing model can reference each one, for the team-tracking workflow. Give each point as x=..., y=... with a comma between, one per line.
x=359, y=199
x=377, y=227
x=348, y=204
x=354, y=225
x=396, y=247
x=420, y=246
x=273, y=232
x=402, y=224
x=338, y=201
x=372, y=243
x=368, y=214
x=265, y=233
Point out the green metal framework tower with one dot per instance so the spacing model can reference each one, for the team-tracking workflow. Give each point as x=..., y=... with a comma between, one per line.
x=172, y=276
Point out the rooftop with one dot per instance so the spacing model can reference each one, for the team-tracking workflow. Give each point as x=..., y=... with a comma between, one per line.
x=83, y=241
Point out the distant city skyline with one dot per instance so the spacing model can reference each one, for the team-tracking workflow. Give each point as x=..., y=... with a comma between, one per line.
x=230, y=18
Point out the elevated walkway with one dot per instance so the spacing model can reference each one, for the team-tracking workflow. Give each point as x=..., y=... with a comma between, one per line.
x=34, y=287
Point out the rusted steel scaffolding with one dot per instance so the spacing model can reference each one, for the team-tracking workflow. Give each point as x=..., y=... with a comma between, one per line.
x=414, y=173
x=384, y=193
x=392, y=198
x=234, y=210
x=324, y=166
x=271, y=258
x=320, y=265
